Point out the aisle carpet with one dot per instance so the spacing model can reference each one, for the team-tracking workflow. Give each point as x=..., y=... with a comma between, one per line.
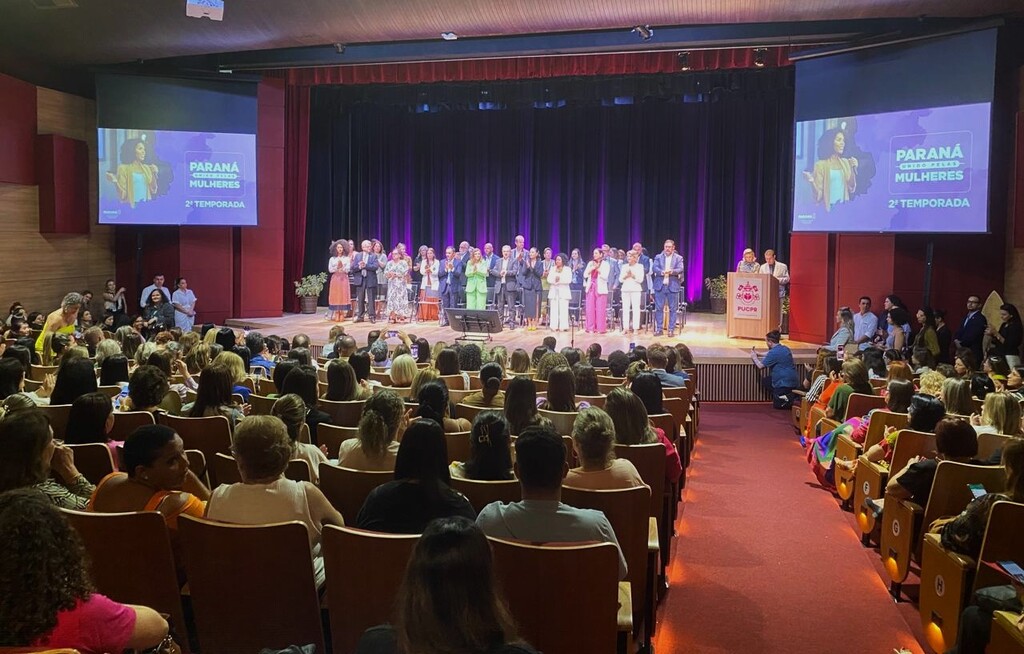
x=764, y=560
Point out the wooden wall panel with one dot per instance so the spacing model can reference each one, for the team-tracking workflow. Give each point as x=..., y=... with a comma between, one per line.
x=38, y=269
x=864, y=266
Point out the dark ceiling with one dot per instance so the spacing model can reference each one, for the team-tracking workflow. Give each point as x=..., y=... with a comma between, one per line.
x=35, y=42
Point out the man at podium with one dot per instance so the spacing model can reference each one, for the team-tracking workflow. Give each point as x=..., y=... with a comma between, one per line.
x=776, y=269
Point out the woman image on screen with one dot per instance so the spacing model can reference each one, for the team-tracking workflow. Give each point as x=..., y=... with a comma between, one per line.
x=834, y=177
x=339, y=298
x=136, y=180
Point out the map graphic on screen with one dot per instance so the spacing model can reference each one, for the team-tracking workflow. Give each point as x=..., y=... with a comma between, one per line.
x=159, y=177
x=922, y=170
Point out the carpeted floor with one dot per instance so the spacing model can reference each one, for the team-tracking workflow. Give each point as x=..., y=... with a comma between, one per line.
x=764, y=560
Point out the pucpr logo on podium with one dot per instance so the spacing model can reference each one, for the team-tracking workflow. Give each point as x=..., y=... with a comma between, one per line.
x=747, y=299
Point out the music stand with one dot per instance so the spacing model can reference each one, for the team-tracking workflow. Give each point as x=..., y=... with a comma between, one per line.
x=476, y=325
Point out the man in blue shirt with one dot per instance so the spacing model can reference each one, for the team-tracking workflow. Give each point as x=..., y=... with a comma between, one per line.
x=258, y=351
x=782, y=376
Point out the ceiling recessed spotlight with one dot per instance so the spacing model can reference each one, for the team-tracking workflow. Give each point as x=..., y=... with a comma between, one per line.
x=449, y=36
x=339, y=48
x=684, y=60
x=759, y=54
x=644, y=31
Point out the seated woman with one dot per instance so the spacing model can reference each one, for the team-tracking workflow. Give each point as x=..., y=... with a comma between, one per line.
x=169, y=365
x=449, y=600
x=214, y=396
x=30, y=454
x=821, y=451
x=843, y=336
x=447, y=363
x=586, y=379
x=491, y=376
x=647, y=386
x=874, y=361
x=981, y=385
x=561, y=393
x=549, y=362
x=1015, y=382
x=90, y=421
x=75, y=378
x=997, y=370
x=403, y=369
x=855, y=380
x=519, y=362
x=433, y=400
x=956, y=396
x=262, y=449
x=632, y=427
x=146, y=390
x=341, y=382
x=156, y=477
x=292, y=412
x=827, y=369
x=930, y=383
x=521, y=406
x=303, y=381
x=593, y=440
x=965, y=364
x=618, y=361
x=955, y=440
x=1000, y=414
x=923, y=414
x=49, y=598
x=899, y=370
x=376, y=445
x=421, y=490
x=236, y=365
x=490, y=450
x=921, y=360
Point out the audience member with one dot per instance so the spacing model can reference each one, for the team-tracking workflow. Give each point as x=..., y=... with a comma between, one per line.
x=955, y=440
x=593, y=439
x=490, y=457
x=521, y=406
x=304, y=382
x=855, y=380
x=782, y=377
x=434, y=405
x=633, y=427
x=341, y=383
x=586, y=380
x=1000, y=414
x=214, y=396
x=491, y=376
x=376, y=444
x=956, y=396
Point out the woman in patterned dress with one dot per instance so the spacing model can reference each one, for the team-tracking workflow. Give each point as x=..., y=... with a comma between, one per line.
x=395, y=273
x=339, y=298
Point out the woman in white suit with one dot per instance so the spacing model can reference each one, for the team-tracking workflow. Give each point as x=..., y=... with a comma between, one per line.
x=595, y=285
x=559, y=294
x=429, y=284
x=631, y=276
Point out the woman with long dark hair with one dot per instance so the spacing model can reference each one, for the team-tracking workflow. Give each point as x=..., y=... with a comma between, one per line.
x=490, y=453
x=521, y=406
x=421, y=490
x=449, y=600
x=434, y=405
x=1007, y=337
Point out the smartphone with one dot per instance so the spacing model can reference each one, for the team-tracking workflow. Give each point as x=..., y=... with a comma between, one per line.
x=1013, y=570
x=632, y=346
x=415, y=351
x=392, y=333
x=977, y=490
x=841, y=352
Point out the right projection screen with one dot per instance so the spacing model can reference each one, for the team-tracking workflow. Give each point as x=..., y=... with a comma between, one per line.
x=895, y=138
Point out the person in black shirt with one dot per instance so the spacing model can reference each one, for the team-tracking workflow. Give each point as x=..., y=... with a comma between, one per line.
x=1006, y=339
x=955, y=440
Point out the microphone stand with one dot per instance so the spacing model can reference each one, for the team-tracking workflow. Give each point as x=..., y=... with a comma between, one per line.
x=572, y=332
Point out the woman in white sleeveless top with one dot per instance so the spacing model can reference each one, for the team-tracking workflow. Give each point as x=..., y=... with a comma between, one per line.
x=631, y=276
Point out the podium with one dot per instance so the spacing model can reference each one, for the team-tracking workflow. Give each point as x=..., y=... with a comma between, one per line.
x=754, y=305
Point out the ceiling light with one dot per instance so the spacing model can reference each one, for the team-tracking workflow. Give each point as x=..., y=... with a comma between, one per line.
x=339, y=48
x=759, y=57
x=449, y=36
x=644, y=31
x=684, y=60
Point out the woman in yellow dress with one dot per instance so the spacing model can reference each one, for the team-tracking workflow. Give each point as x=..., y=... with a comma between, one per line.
x=136, y=179
x=476, y=281
x=62, y=320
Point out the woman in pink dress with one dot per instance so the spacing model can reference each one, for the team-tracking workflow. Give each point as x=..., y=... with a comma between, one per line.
x=339, y=298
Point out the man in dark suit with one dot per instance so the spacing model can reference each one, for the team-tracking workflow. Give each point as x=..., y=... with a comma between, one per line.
x=490, y=259
x=667, y=273
x=972, y=329
x=363, y=276
x=450, y=280
x=505, y=272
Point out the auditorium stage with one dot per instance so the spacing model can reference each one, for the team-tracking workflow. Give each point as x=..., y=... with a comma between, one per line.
x=725, y=372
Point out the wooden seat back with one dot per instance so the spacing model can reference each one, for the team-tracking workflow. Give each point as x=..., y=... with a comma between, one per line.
x=345, y=414
x=562, y=420
x=266, y=386
x=58, y=415
x=989, y=444
x=39, y=373
x=252, y=586
x=470, y=412
x=904, y=521
x=580, y=589
x=93, y=460
x=860, y=403
x=593, y=400
x=847, y=450
x=261, y=404
x=454, y=382
x=540, y=384
x=457, y=395
x=871, y=478
x=458, y=446
x=131, y=561
x=333, y=435
x=109, y=391
x=482, y=493
x=649, y=461
x=362, y=596
x=126, y=422
x=667, y=423
x=197, y=466
x=209, y=435
x=627, y=511
x=346, y=489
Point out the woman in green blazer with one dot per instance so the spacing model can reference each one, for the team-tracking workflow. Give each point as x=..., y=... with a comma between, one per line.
x=476, y=281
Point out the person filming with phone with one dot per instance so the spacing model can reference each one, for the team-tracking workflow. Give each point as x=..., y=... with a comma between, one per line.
x=782, y=377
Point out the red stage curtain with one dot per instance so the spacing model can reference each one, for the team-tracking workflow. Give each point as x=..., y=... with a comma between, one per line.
x=296, y=174
x=639, y=63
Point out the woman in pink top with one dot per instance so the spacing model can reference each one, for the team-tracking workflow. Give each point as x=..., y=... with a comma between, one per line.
x=48, y=599
x=593, y=439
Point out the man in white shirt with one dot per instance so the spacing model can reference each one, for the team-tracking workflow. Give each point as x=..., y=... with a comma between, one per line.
x=158, y=284
x=541, y=517
x=777, y=269
x=864, y=324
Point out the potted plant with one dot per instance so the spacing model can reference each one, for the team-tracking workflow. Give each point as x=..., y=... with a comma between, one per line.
x=716, y=289
x=309, y=289
x=784, y=324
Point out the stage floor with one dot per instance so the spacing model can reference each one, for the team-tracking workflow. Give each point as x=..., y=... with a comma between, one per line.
x=704, y=334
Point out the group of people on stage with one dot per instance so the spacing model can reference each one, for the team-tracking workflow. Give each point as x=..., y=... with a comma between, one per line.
x=541, y=279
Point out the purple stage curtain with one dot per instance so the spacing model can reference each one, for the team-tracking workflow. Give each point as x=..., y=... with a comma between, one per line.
x=296, y=174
